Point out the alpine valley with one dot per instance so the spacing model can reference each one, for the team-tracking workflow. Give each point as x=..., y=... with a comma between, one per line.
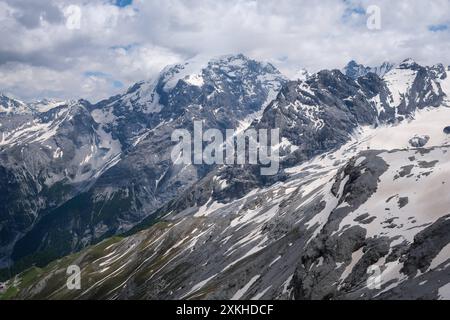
x=360, y=208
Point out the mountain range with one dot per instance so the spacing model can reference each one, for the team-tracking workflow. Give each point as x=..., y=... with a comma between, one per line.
x=362, y=186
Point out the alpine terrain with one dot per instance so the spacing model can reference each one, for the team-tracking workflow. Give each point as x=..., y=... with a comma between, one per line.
x=359, y=209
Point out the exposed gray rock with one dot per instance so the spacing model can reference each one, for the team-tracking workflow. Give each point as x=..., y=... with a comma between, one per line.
x=427, y=244
x=419, y=141
x=335, y=249
x=355, y=70
x=402, y=201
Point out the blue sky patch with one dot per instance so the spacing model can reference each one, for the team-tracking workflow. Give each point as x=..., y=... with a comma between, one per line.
x=98, y=74
x=127, y=47
x=117, y=84
x=438, y=27
x=353, y=12
x=122, y=3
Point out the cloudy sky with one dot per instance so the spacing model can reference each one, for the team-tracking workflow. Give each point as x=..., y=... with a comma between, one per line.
x=96, y=48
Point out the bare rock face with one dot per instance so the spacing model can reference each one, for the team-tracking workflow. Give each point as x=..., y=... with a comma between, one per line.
x=355, y=70
x=419, y=141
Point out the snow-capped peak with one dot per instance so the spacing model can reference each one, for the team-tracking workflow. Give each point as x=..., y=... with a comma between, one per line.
x=384, y=68
x=408, y=63
x=192, y=72
x=5, y=97
x=355, y=70
x=11, y=105
x=189, y=71
x=48, y=104
x=302, y=75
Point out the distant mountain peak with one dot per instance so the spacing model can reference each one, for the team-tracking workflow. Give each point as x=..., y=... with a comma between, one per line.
x=219, y=74
x=355, y=70
x=47, y=104
x=302, y=75
x=191, y=71
x=353, y=63
x=230, y=58
x=12, y=105
x=408, y=61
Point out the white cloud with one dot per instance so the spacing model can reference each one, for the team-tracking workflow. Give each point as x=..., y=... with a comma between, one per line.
x=133, y=43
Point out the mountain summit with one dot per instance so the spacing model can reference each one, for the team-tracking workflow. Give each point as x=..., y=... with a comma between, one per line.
x=355, y=70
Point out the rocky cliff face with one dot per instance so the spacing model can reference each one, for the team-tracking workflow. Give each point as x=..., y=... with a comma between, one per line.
x=46, y=158
x=320, y=114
